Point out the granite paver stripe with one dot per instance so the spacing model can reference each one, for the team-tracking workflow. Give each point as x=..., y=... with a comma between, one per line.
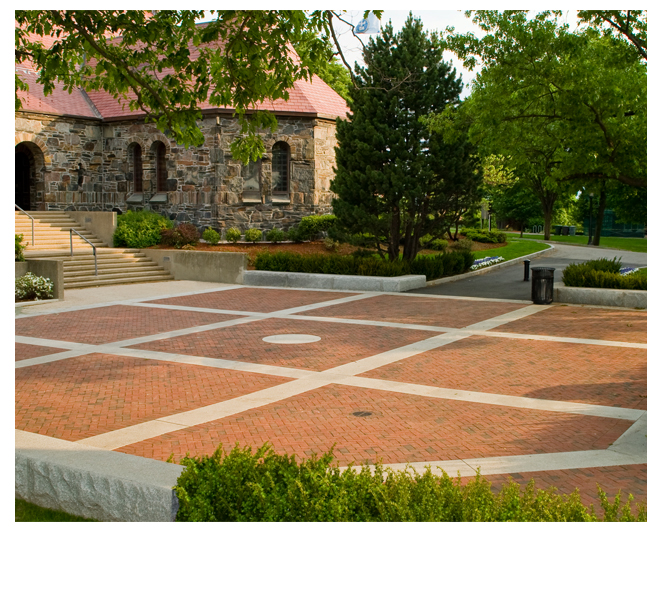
x=24, y=351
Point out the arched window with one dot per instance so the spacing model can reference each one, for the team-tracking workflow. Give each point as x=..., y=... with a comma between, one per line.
x=160, y=167
x=137, y=170
x=251, y=177
x=280, y=168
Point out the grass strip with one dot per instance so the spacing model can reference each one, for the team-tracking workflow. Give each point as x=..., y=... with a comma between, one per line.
x=630, y=244
x=28, y=512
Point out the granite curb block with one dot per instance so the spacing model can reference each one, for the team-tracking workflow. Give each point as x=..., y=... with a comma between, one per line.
x=551, y=250
x=626, y=298
x=334, y=282
x=94, y=483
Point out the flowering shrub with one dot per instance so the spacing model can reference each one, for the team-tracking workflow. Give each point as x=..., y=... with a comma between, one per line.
x=626, y=270
x=31, y=287
x=487, y=261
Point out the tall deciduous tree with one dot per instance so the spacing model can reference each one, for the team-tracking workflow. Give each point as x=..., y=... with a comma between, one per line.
x=162, y=63
x=393, y=179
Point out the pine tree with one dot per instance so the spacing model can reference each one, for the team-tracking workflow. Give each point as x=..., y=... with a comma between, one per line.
x=390, y=179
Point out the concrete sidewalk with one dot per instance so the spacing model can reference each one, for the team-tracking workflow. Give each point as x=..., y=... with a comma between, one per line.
x=507, y=282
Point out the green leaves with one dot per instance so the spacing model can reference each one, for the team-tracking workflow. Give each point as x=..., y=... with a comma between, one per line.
x=165, y=65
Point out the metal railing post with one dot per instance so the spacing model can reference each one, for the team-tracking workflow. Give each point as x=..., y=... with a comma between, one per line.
x=91, y=244
x=30, y=217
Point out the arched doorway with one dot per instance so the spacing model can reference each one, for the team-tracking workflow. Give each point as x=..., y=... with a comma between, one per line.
x=29, y=179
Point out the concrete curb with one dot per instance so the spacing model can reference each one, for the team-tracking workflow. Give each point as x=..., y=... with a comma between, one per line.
x=334, y=282
x=551, y=250
x=626, y=298
x=94, y=483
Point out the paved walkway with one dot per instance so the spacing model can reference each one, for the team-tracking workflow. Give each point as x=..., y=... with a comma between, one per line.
x=556, y=393
x=507, y=282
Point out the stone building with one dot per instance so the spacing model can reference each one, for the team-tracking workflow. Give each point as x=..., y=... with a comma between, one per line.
x=84, y=151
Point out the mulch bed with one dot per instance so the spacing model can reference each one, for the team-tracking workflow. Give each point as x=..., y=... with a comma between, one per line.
x=308, y=247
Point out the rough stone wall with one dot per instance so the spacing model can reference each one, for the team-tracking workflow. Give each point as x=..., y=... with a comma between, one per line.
x=204, y=184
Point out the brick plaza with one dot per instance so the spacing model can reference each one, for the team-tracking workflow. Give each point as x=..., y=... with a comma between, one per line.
x=552, y=393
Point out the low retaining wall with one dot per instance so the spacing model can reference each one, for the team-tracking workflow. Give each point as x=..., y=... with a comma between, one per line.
x=338, y=282
x=101, y=224
x=215, y=267
x=50, y=269
x=94, y=483
x=627, y=298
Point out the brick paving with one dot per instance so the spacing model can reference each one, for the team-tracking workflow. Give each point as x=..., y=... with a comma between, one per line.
x=339, y=344
x=252, y=300
x=97, y=393
x=582, y=373
x=30, y=351
x=112, y=323
x=84, y=396
x=420, y=311
x=628, y=479
x=581, y=322
x=401, y=428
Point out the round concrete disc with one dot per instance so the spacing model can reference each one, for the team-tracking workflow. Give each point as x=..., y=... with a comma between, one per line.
x=291, y=338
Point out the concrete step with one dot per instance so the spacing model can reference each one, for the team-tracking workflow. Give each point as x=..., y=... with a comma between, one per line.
x=89, y=273
x=119, y=281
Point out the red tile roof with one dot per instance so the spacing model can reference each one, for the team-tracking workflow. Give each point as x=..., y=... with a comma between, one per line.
x=306, y=97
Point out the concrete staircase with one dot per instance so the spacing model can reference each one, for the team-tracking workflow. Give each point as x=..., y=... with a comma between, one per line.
x=115, y=265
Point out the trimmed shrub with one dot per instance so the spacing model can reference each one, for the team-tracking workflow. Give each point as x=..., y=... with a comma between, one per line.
x=433, y=266
x=262, y=486
x=30, y=287
x=185, y=234
x=140, y=229
x=275, y=236
x=233, y=235
x=483, y=236
x=211, y=236
x=593, y=274
x=253, y=235
x=463, y=245
x=439, y=245
x=311, y=226
x=20, y=246
x=293, y=234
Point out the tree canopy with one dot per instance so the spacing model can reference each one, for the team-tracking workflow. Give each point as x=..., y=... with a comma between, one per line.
x=393, y=179
x=166, y=65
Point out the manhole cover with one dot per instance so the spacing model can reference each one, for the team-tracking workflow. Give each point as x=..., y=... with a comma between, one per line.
x=291, y=338
x=362, y=413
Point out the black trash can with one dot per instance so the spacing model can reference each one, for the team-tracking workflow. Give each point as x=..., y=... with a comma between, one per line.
x=542, y=285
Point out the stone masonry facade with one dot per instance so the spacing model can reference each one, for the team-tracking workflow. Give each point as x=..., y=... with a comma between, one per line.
x=86, y=164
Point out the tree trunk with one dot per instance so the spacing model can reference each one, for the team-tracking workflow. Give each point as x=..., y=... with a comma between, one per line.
x=393, y=243
x=600, y=217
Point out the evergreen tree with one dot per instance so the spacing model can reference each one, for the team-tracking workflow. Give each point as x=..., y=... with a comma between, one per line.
x=392, y=175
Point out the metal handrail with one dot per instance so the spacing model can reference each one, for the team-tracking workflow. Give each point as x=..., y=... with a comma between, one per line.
x=89, y=242
x=30, y=217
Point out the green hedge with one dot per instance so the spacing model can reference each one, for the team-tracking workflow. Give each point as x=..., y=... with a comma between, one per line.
x=602, y=273
x=263, y=486
x=140, y=229
x=433, y=265
x=483, y=236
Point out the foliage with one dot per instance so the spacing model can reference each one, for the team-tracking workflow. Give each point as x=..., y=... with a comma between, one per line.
x=140, y=229
x=20, y=246
x=294, y=235
x=311, y=226
x=211, y=236
x=331, y=244
x=483, y=236
x=631, y=26
x=164, y=64
x=393, y=180
x=602, y=273
x=233, y=235
x=583, y=92
x=29, y=512
x=431, y=243
x=185, y=234
x=253, y=235
x=262, y=486
x=517, y=203
x=431, y=265
x=31, y=287
x=275, y=235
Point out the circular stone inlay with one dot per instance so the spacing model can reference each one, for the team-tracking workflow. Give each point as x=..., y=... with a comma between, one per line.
x=291, y=338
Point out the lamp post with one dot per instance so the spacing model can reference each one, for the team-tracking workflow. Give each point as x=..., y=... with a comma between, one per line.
x=590, y=214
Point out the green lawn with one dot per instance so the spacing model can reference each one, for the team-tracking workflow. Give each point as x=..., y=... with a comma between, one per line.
x=513, y=249
x=631, y=244
x=28, y=512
